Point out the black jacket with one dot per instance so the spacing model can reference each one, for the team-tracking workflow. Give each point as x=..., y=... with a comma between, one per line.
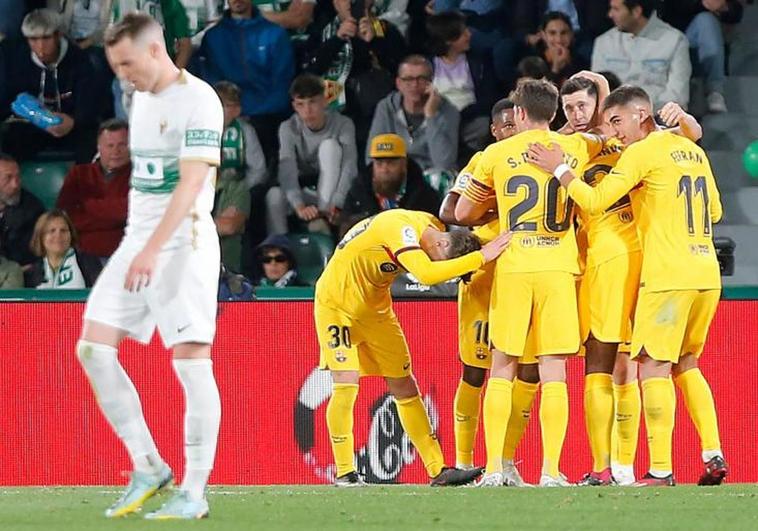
x=89, y=265
x=70, y=82
x=16, y=228
x=361, y=201
x=485, y=86
x=679, y=13
x=526, y=16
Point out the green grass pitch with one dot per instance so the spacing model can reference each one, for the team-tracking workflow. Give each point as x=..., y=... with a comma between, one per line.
x=732, y=507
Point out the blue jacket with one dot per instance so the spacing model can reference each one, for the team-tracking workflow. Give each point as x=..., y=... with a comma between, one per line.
x=256, y=55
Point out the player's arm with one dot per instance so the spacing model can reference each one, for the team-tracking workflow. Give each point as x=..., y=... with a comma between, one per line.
x=714, y=200
x=447, y=211
x=192, y=175
x=430, y=272
x=681, y=122
x=478, y=197
x=593, y=200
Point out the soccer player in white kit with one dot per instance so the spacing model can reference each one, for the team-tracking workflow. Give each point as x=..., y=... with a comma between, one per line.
x=165, y=271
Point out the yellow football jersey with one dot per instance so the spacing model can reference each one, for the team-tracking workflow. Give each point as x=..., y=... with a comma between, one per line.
x=358, y=277
x=488, y=231
x=531, y=202
x=612, y=232
x=675, y=200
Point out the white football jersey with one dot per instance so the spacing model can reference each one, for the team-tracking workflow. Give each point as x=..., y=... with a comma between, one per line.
x=183, y=122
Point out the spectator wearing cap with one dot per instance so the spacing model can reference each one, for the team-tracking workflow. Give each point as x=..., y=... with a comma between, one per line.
x=426, y=121
x=392, y=181
x=277, y=264
x=701, y=20
x=96, y=195
x=643, y=50
x=19, y=211
x=318, y=159
x=59, y=74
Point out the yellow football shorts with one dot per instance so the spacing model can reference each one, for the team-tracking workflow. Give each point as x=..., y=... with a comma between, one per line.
x=534, y=314
x=373, y=347
x=607, y=297
x=473, y=318
x=671, y=324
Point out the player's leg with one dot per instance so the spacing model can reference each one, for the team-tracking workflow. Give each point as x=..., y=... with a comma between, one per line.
x=555, y=323
x=509, y=317
x=339, y=422
x=659, y=405
x=696, y=391
x=416, y=423
x=626, y=425
x=475, y=355
x=553, y=417
x=466, y=408
x=339, y=341
x=111, y=314
x=497, y=412
x=599, y=360
x=524, y=391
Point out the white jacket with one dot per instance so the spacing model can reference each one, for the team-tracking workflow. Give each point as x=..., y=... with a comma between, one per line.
x=658, y=60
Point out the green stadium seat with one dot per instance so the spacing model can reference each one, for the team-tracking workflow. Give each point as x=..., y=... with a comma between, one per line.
x=44, y=179
x=312, y=251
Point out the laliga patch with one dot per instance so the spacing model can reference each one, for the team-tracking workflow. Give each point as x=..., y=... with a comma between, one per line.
x=463, y=180
x=409, y=236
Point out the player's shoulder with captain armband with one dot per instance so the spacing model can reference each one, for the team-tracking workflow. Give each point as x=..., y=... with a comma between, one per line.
x=465, y=175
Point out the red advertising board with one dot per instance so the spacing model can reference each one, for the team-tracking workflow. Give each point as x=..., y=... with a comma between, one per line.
x=273, y=429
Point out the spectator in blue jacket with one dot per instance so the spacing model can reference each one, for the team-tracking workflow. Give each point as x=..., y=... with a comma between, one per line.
x=256, y=55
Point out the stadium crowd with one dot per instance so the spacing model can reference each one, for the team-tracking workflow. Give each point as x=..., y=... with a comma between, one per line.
x=333, y=110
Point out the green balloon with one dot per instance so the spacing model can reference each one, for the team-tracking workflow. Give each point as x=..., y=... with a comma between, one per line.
x=750, y=159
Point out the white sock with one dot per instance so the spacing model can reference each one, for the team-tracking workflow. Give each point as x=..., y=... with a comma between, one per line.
x=660, y=474
x=119, y=402
x=623, y=474
x=710, y=454
x=201, y=422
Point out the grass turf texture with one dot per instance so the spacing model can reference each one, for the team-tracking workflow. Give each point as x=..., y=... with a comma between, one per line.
x=730, y=507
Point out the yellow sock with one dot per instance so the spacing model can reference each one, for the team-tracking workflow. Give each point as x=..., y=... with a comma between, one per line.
x=659, y=404
x=416, y=424
x=521, y=410
x=554, y=421
x=699, y=400
x=497, y=410
x=466, y=417
x=598, y=417
x=339, y=421
x=626, y=426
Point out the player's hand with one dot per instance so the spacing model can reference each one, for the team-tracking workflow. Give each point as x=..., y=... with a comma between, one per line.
x=671, y=114
x=307, y=212
x=547, y=159
x=433, y=101
x=141, y=270
x=348, y=29
x=63, y=128
x=495, y=248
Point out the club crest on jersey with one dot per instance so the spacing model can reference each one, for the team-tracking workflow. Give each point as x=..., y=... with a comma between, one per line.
x=409, y=236
x=388, y=267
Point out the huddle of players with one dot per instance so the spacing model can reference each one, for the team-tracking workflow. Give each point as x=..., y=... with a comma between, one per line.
x=643, y=254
